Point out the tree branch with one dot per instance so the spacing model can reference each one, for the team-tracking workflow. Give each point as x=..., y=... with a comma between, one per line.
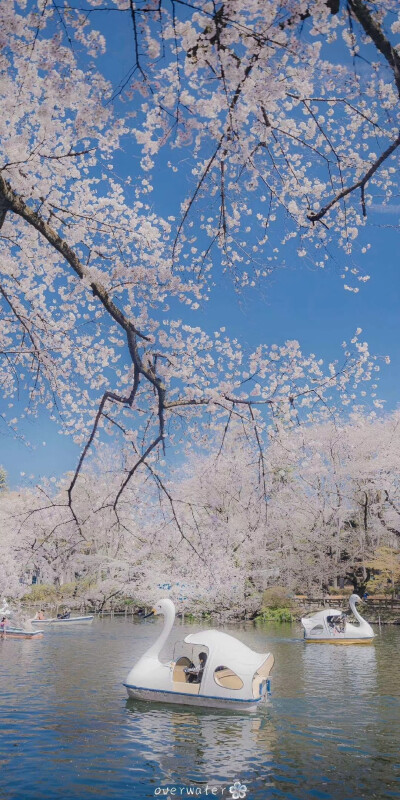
x=16, y=204
x=375, y=32
x=358, y=185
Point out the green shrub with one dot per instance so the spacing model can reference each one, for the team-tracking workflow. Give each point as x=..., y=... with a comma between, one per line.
x=276, y=615
x=41, y=593
x=66, y=590
x=277, y=597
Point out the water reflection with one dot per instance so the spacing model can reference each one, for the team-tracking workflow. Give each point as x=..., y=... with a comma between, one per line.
x=352, y=667
x=335, y=726
x=195, y=746
x=331, y=730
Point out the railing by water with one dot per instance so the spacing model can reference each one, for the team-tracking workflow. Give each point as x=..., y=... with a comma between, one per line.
x=379, y=601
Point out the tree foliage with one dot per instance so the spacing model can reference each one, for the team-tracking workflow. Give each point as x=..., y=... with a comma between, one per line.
x=215, y=535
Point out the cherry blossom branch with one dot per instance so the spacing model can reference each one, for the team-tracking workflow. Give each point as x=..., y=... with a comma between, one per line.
x=140, y=461
x=36, y=348
x=358, y=185
x=375, y=32
x=262, y=465
x=135, y=36
x=391, y=502
x=172, y=504
x=17, y=205
x=194, y=195
x=108, y=396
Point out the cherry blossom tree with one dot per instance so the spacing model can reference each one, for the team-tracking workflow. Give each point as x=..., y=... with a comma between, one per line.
x=331, y=503
x=214, y=533
x=102, y=557
x=284, y=139
x=14, y=547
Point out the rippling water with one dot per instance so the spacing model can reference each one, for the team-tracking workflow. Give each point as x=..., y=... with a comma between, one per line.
x=330, y=732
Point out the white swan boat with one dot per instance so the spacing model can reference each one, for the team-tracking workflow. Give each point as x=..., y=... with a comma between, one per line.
x=230, y=674
x=330, y=625
x=64, y=621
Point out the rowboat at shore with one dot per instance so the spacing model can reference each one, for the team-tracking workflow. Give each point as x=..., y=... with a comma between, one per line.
x=64, y=621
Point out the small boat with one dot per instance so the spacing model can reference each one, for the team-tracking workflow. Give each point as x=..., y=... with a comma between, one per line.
x=330, y=625
x=64, y=620
x=20, y=633
x=230, y=674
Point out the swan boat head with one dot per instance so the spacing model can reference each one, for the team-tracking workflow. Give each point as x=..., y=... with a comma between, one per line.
x=230, y=674
x=330, y=625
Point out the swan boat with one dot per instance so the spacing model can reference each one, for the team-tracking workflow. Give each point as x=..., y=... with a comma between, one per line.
x=232, y=676
x=330, y=625
x=66, y=621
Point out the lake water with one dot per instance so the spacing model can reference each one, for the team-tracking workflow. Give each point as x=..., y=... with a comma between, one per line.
x=330, y=731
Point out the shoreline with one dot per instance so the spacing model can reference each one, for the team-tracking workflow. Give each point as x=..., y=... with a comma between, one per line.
x=387, y=614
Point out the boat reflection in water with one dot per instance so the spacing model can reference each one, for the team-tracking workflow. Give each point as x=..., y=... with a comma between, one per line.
x=200, y=746
x=327, y=668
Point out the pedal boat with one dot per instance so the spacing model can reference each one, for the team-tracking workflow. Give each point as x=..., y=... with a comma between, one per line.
x=66, y=621
x=330, y=626
x=234, y=677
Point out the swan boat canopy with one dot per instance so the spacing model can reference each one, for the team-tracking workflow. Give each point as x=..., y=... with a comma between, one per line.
x=63, y=621
x=330, y=625
x=231, y=676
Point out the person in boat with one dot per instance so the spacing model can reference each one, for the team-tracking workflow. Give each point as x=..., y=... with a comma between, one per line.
x=196, y=673
x=337, y=623
x=39, y=615
x=3, y=626
x=65, y=615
